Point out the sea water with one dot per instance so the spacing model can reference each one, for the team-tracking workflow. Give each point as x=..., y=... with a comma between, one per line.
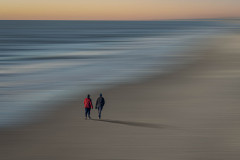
x=45, y=62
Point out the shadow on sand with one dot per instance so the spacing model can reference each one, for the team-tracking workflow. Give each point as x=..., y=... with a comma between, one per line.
x=136, y=124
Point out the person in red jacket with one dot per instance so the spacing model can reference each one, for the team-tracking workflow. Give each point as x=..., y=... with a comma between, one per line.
x=88, y=106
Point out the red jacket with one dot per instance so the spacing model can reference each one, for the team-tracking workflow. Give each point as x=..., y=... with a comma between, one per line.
x=88, y=103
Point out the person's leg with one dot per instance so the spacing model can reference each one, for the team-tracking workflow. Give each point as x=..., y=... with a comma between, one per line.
x=86, y=112
x=99, y=112
x=89, y=110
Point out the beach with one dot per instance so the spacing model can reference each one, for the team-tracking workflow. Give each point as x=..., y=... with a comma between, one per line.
x=190, y=113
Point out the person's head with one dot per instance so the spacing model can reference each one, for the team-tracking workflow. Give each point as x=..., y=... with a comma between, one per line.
x=100, y=94
x=88, y=96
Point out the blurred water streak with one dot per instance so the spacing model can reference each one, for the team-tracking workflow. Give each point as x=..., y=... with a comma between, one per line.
x=45, y=61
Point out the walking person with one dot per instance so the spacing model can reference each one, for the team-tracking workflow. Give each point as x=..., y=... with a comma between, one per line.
x=88, y=106
x=99, y=105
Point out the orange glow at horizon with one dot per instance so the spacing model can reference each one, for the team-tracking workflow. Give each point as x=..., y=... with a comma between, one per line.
x=116, y=10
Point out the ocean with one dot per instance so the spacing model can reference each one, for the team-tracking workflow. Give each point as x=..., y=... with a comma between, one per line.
x=47, y=62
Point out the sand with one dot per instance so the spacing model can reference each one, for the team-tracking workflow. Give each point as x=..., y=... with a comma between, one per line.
x=191, y=113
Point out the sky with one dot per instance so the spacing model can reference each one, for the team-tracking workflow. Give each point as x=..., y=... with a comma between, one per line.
x=117, y=9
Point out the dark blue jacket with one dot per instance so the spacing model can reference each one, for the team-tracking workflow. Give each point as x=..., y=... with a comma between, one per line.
x=100, y=102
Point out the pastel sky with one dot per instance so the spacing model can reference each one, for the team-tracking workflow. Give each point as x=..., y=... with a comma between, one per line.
x=117, y=9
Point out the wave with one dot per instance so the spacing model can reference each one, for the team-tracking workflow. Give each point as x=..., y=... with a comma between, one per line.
x=39, y=71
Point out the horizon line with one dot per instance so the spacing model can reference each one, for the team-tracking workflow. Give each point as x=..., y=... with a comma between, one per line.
x=181, y=19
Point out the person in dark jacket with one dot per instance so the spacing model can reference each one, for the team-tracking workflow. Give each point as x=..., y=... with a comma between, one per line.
x=99, y=105
x=88, y=106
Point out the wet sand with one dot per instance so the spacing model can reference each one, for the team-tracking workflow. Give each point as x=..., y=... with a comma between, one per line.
x=192, y=113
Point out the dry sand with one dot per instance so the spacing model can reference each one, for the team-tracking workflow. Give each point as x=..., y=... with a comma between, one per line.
x=193, y=113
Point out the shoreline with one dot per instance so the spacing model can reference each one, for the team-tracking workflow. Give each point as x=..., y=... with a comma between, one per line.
x=174, y=61
x=48, y=77
x=186, y=114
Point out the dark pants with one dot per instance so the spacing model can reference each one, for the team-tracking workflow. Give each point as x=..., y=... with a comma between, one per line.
x=100, y=111
x=87, y=112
